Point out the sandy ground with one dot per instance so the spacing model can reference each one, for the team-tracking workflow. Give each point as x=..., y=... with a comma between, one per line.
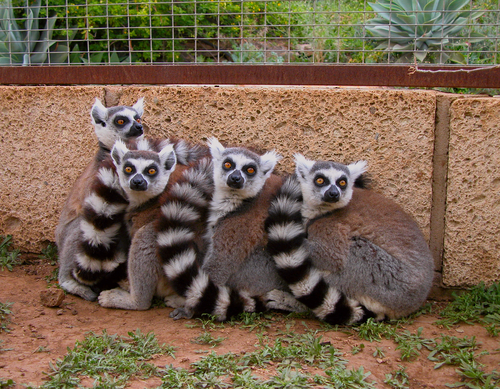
x=39, y=335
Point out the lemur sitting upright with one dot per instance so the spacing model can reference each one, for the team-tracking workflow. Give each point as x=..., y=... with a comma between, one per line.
x=127, y=182
x=230, y=271
x=110, y=124
x=347, y=253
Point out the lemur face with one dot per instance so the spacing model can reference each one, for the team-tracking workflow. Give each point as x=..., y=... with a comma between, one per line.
x=116, y=123
x=143, y=173
x=327, y=185
x=240, y=170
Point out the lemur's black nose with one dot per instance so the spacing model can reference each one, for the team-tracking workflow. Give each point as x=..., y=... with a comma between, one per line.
x=138, y=183
x=332, y=195
x=135, y=130
x=235, y=180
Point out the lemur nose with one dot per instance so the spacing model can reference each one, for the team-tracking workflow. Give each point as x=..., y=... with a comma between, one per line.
x=135, y=130
x=332, y=195
x=235, y=180
x=138, y=183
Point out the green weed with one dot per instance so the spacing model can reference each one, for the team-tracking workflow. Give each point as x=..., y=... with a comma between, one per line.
x=4, y=384
x=207, y=339
x=480, y=304
x=378, y=353
x=4, y=314
x=109, y=359
x=50, y=254
x=8, y=258
x=374, y=331
x=345, y=379
x=410, y=344
x=398, y=380
x=450, y=350
x=206, y=322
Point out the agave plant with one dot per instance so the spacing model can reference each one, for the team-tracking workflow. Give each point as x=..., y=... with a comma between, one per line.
x=29, y=45
x=420, y=25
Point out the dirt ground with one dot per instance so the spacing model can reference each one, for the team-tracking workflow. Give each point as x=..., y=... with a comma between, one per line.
x=34, y=328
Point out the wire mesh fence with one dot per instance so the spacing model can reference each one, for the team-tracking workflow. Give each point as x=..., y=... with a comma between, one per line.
x=95, y=32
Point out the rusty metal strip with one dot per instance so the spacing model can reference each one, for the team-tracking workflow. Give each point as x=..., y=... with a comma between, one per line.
x=341, y=75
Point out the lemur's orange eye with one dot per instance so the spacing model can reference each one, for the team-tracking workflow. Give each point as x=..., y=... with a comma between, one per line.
x=128, y=169
x=121, y=122
x=320, y=180
x=228, y=165
x=138, y=120
x=250, y=170
x=152, y=171
x=342, y=183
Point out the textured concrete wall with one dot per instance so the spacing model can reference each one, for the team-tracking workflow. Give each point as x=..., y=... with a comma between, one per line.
x=472, y=230
x=48, y=140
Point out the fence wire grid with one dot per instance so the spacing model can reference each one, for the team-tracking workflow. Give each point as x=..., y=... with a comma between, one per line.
x=72, y=32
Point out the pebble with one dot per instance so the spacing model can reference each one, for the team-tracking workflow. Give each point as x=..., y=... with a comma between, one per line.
x=52, y=297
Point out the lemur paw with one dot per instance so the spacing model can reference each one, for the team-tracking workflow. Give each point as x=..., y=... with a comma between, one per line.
x=283, y=301
x=175, y=301
x=112, y=298
x=180, y=313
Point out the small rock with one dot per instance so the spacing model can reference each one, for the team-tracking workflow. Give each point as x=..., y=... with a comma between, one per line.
x=59, y=312
x=52, y=297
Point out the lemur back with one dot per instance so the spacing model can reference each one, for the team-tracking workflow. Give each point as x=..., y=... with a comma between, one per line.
x=230, y=271
x=347, y=253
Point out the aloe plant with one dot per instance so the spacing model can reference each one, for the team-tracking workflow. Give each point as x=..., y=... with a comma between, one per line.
x=30, y=44
x=421, y=25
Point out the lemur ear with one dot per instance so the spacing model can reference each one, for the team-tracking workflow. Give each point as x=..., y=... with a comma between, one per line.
x=143, y=144
x=356, y=169
x=118, y=151
x=167, y=157
x=216, y=148
x=139, y=106
x=268, y=162
x=98, y=113
x=302, y=166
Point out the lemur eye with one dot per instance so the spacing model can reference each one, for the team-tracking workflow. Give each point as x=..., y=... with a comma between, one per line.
x=320, y=181
x=128, y=169
x=342, y=183
x=151, y=171
x=228, y=165
x=251, y=170
x=138, y=120
x=121, y=122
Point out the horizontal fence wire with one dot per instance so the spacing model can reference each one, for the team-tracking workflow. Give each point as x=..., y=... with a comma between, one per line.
x=106, y=32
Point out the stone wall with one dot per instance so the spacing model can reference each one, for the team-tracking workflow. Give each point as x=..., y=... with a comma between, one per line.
x=404, y=136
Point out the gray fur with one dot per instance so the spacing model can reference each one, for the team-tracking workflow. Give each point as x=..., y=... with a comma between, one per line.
x=68, y=233
x=146, y=277
x=370, y=250
x=68, y=249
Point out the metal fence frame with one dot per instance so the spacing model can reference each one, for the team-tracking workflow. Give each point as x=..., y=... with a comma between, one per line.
x=315, y=75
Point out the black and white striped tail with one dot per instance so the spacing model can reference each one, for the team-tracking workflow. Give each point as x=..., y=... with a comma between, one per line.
x=182, y=222
x=102, y=252
x=287, y=243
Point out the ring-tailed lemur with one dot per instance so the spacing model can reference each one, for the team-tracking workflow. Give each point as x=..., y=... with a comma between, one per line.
x=113, y=210
x=184, y=205
x=347, y=253
x=132, y=180
x=236, y=274
x=110, y=124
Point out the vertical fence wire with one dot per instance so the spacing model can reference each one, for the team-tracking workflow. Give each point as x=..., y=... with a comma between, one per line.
x=70, y=32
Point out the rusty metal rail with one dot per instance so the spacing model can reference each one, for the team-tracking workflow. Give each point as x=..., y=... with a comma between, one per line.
x=317, y=75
